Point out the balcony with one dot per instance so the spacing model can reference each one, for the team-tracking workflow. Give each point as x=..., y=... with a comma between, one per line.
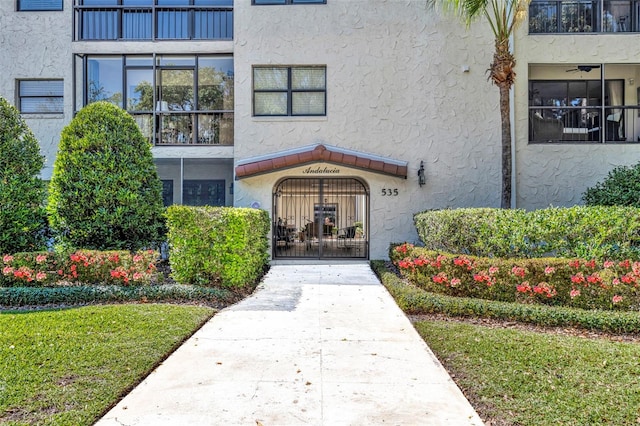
x=566, y=16
x=204, y=20
x=186, y=128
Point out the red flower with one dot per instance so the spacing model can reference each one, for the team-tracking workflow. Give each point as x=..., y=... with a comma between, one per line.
x=518, y=271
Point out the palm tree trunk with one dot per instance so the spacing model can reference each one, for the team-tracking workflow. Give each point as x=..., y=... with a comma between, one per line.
x=506, y=145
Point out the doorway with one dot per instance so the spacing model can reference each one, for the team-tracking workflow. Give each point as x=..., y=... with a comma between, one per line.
x=320, y=218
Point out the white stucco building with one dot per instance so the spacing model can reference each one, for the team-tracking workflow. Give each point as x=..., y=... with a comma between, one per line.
x=323, y=111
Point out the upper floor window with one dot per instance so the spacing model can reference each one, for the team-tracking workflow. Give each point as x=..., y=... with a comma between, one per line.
x=40, y=96
x=153, y=19
x=39, y=5
x=594, y=16
x=260, y=2
x=176, y=99
x=289, y=91
x=584, y=103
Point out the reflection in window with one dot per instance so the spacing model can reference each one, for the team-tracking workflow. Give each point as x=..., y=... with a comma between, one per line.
x=203, y=192
x=190, y=100
x=104, y=80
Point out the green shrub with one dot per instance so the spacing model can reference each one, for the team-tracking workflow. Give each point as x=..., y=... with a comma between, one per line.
x=105, y=193
x=218, y=246
x=22, y=194
x=621, y=187
x=416, y=301
x=585, y=232
x=551, y=281
x=76, y=295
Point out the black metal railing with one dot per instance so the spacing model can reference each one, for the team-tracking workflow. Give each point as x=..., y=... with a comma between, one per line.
x=154, y=22
x=609, y=124
x=571, y=16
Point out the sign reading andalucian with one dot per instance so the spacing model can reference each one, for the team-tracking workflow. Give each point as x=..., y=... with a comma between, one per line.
x=321, y=170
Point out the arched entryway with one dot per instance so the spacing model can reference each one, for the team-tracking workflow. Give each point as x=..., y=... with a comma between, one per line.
x=321, y=218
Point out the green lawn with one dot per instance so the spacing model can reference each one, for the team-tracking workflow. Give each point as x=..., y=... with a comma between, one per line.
x=65, y=367
x=518, y=377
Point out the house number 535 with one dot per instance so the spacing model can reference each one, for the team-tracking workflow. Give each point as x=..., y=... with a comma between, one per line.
x=388, y=192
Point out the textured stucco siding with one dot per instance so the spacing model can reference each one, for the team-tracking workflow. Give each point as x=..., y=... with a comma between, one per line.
x=558, y=174
x=37, y=45
x=395, y=88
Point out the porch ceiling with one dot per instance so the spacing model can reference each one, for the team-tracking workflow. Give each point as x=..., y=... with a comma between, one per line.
x=320, y=153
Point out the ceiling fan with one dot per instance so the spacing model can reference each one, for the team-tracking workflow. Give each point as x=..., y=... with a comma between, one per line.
x=585, y=68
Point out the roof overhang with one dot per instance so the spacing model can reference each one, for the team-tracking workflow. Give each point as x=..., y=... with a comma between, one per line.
x=320, y=153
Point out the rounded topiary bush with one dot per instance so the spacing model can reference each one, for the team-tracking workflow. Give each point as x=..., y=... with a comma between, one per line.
x=22, y=193
x=105, y=193
x=621, y=187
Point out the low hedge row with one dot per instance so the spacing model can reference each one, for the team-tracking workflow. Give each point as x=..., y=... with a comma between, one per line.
x=416, y=301
x=217, y=246
x=552, y=281
x=46, y=269
x=595, y=232
x=77, y=295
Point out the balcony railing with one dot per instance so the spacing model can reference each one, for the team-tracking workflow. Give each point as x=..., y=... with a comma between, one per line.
x=571, y=16
x=610, y=124
x=186, y=128
x=154, y=22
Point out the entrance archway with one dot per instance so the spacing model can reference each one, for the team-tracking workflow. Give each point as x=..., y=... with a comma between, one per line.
x=321, y=218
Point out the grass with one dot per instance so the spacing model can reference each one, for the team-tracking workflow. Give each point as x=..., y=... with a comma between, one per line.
x=66, y=367
x=519, y=377
x=516, y=376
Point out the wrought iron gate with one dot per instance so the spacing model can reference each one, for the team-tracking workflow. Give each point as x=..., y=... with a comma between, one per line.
x=320, y=218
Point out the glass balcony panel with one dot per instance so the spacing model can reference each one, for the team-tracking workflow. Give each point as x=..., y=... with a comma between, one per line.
x=215, y=129
x=176, y=129
x=578, y=17
x=104, y=80
x=616, y=16
x=213, y=24
x=145, y=123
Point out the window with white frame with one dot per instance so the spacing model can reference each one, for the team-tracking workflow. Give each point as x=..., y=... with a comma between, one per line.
x=41, y=96
x=39, y=5
x=289, y=91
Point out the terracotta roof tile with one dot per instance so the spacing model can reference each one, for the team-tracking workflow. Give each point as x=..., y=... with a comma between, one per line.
x=321, y=153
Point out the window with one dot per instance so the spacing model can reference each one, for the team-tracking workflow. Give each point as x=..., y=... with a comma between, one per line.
x=590, y=16
x=41, y=96
x=583, y=103
x=289, y=91
x=153, y=20
x=203, y=192
x=176, y=99
x=39, y=5
x=261, y=2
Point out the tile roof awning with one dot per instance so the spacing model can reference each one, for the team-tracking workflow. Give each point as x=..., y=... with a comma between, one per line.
x=320, y=153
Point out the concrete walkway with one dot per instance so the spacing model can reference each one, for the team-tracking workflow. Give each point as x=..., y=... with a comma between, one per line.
x=314, y=345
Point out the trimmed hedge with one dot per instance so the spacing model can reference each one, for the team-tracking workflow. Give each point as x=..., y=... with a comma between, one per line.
x=217, y=246
x=415, y=301
x=551, y=281
x=78, y=295
x=576, y=232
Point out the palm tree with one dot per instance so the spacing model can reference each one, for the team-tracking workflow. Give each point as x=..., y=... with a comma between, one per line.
x=503, y=17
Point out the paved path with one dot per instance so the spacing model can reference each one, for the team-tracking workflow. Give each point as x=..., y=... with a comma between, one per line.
x=314, y=345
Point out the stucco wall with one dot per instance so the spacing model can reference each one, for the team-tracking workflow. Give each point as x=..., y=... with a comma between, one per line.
x=37, y=45
x=396, y=87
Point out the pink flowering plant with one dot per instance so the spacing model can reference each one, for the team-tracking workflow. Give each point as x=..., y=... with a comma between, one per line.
x=580, y=283
x=46, y=269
